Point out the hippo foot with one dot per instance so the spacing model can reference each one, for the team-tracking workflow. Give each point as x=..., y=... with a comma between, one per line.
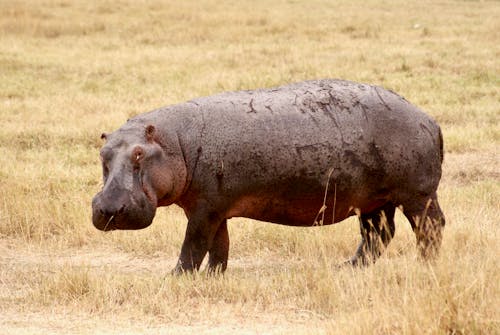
x=215, y=271
x=177, y=271
x=355, y=262
x=211, y=271
x=181, y=270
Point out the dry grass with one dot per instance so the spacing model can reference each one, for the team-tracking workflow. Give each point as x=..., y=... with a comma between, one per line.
x=72, y=69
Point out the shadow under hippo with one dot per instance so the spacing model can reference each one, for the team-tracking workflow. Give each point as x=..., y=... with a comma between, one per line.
x=282, y=155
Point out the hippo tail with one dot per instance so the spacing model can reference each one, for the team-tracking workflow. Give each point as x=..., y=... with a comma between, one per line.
x=441, y=146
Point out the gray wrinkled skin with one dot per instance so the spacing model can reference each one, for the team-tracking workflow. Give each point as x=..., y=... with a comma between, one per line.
x=279, y=155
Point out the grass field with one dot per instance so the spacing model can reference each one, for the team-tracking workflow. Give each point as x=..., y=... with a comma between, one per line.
x=70, y=70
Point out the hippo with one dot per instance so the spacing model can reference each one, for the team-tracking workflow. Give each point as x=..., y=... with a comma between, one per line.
x=307, y=154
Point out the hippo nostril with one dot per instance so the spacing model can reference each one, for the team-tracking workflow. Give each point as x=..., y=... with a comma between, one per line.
x=106, y=212
x=121, y=210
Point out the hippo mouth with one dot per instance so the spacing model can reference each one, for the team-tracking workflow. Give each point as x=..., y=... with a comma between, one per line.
x=107, y=226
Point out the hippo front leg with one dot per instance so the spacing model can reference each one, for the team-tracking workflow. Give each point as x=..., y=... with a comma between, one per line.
x=203, y=226
x=219, y=252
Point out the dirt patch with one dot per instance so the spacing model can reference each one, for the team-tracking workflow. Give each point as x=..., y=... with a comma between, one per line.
x=34, y=256
x=61, y=322
x=18, y=261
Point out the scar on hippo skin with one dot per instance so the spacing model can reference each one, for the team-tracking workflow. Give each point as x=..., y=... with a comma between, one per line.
x=287, y=155
x=220, y=170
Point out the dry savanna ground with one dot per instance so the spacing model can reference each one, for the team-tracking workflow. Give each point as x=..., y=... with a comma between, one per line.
x=70, y=70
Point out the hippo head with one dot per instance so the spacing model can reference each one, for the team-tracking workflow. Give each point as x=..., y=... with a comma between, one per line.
x=141, y=171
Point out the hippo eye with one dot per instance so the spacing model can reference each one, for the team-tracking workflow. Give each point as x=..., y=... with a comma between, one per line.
x=137, y=155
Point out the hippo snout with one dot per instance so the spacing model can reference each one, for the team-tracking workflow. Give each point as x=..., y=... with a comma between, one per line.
x=121, y=213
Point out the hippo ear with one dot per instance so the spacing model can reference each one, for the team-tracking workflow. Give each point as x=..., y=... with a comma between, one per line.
x=104, y=136
x=150, y=132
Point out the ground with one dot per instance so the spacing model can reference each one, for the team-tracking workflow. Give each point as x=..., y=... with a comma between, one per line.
x=70, y=70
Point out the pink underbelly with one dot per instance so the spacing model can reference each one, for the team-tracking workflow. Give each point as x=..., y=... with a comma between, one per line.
x=296, y=212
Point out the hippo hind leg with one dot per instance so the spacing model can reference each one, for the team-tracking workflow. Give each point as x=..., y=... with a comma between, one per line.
x=377, y=229
x=427, y=221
